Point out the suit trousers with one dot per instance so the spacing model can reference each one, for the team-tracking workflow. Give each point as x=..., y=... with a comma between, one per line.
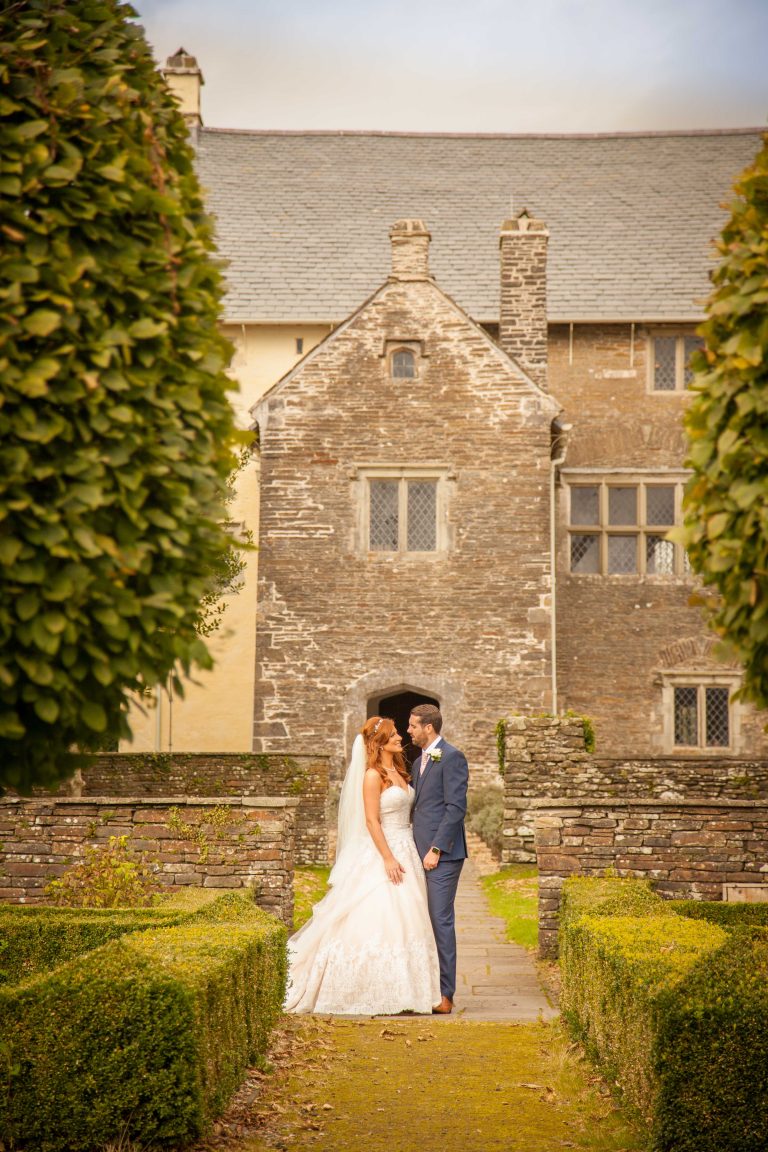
x=442, y=883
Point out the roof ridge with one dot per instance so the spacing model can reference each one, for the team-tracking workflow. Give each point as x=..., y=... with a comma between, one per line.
x=376, y=132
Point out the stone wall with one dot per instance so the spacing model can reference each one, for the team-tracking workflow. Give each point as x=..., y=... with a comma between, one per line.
x=341, y=625
x=688, y=848
x=614, y=632
x=546, y=758
x=197, y=774
x=211, y=842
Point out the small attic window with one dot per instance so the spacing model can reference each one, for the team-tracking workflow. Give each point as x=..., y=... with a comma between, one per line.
x=403, y=364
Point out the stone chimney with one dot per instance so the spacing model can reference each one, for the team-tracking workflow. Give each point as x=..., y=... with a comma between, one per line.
x=184, y=79
x=523, y=319
x=410, y=250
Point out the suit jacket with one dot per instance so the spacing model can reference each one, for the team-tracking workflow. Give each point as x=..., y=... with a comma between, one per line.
x=440, y=803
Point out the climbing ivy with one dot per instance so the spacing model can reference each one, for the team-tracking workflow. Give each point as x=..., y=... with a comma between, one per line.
x=725, y=527
x=501, y=744
x=115, y=431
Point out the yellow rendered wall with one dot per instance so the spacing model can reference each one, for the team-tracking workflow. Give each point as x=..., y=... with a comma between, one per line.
x=216, y=712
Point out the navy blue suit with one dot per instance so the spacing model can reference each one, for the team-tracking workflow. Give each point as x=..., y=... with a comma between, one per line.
x=439, y=807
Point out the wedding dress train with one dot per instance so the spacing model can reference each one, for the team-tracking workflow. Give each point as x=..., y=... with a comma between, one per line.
x=369, y=948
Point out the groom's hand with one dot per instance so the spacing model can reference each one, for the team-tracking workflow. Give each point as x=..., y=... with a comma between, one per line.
x=431, y=860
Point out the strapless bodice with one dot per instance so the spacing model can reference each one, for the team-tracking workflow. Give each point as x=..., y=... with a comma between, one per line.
x=395, y=809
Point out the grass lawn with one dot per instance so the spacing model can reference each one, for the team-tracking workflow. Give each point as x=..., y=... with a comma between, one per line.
x=513, y=895
x=309, y=886
x=405, y=1086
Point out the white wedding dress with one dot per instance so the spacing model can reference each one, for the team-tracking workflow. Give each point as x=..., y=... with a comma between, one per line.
x=368, y=949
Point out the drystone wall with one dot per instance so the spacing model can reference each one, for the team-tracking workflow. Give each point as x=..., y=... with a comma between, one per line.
x=221, y=774
x=546, y=757
x=211, y=842
x=687, y=848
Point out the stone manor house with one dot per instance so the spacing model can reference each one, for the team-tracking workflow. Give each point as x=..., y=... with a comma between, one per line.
x=466, y=358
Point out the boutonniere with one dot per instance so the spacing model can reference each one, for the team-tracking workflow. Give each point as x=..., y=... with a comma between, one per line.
x=436, y=755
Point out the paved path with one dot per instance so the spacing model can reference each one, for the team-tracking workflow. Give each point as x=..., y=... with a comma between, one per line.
x=496, y=980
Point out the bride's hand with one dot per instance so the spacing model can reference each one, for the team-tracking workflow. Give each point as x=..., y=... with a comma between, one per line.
x=395, y=871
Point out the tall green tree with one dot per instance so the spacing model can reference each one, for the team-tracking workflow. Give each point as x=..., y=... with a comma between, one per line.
x=116, y=435
x=726, y=503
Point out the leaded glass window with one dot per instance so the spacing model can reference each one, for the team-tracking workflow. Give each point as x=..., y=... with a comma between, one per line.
x=670, y=359
x=585, y=553
x=702, y=716
x=403, y=512
x=619, y=528
x=664, y=363
x=686, y=715
x=403, y=364
x=384, y=516
x=422, y=508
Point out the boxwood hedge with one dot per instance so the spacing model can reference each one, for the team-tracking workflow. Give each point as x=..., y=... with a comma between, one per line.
x=712, y=1052
x=673, y=1008
x=146, y=1036
x=728, y=916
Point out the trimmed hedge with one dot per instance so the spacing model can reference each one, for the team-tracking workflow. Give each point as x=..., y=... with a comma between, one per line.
x=145, y=1037
x=712, y=1053
x=615, y=969
x=728, y=916
x=607, y=896
x=35, y=938
x=674, y=1009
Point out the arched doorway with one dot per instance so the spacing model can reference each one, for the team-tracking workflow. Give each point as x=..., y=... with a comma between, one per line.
x=398, y=708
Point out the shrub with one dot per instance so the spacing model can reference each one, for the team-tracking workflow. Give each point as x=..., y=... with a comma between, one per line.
x=159, y=1024
x=115, y=424
x=111, y=875
x=617, y=973
x=728, y=916
x=33, y=944
x=607, y=896
x=485, y=817
x=712, y=1053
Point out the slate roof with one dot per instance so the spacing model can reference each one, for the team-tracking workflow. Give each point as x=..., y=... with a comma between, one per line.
x=303, y=218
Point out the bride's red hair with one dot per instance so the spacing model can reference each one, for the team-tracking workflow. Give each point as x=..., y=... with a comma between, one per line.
x=377, y=732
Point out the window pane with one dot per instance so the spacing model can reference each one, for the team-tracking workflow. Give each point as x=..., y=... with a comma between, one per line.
x=622, y=505
x=585, y=505
x=660, y=504
x=585, y=553
x=691, y=344
x=422, y=516
x=383, y=515
x=622, y=553
x=664, y=353
x=659, y=556
x=716, y=717
x=403, y=365
x=686, y=723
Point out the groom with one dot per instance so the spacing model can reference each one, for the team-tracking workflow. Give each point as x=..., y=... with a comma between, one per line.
x=440, y=777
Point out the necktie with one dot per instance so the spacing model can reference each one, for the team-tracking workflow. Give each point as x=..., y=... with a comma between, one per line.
x=424, y=760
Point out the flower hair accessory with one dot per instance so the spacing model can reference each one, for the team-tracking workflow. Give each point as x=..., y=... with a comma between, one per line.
x=377, y=725
x=436, y=754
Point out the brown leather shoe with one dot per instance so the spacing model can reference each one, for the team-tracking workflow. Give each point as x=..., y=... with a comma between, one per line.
x=444, y=1008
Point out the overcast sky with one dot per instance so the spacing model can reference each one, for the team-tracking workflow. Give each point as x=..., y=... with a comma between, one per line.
x=472, y=65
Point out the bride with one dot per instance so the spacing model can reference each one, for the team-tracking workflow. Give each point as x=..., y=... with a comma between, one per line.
x=368, y=948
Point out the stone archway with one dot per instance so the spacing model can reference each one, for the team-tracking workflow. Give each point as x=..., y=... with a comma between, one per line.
x=365, y=695
x=397, y=706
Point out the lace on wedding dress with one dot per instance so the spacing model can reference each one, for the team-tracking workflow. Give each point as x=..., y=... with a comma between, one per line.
x=369, y=947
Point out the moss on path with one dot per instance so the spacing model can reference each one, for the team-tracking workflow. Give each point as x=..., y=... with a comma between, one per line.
x=396, y=1085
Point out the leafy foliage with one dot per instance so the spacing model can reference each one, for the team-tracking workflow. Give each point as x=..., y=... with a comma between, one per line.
x=227, y=579
x=725, y=529
x=115, y=428
x=485, y=816
x=161, y=1025
x=110, y=875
